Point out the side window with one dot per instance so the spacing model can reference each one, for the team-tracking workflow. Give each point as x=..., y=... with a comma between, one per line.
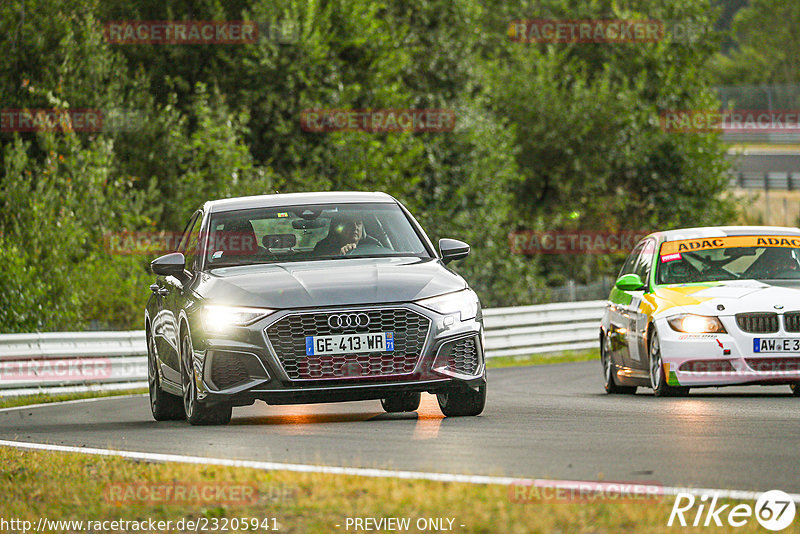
x=630, y=264
x=644, y=261
x=190, y=241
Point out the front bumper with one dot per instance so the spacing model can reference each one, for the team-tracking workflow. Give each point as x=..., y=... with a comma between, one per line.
x=244, y=364
x=724, y=359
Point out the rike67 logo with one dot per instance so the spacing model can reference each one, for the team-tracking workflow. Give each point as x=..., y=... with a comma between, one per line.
x=774, y=510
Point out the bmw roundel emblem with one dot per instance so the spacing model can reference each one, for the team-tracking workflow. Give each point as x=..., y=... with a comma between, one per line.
x=778, y=307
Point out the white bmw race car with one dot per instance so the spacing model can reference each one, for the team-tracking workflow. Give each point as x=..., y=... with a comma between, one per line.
x=705, y=307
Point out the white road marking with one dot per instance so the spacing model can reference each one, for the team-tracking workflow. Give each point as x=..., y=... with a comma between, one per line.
x=73, y=401
x=603, y=487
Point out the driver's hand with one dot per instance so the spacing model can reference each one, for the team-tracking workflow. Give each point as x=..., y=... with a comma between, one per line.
x=347, y=248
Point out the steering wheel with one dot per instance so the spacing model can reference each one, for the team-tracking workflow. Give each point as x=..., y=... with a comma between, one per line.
x=364, y=249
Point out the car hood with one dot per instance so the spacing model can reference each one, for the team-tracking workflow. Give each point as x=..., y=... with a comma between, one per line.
x=735, y=296
x=328, y=282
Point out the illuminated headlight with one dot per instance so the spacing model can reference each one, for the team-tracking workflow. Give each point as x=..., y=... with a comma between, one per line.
x=218, y=318
x=696, y=324
x=465, y=303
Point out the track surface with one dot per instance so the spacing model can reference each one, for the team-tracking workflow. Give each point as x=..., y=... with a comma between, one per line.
x=550, y=421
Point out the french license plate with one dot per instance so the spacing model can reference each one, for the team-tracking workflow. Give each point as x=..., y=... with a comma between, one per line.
x=350, y=343
x=761, y=344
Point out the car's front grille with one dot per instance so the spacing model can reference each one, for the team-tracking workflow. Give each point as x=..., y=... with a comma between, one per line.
x=791, y=321
x=288, y=339
x=773, y=364
x=757, y=323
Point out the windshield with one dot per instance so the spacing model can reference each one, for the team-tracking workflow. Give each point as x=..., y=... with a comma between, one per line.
x=307, y=233
x=729, y=258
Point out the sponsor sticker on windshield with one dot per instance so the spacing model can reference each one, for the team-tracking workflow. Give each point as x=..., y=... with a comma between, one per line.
x=671, y=257
x=708, y=243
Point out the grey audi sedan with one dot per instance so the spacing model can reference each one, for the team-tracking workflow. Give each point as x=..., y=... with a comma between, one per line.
x=307, y=298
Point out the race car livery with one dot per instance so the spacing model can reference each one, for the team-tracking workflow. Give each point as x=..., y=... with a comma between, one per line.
x=705, y=307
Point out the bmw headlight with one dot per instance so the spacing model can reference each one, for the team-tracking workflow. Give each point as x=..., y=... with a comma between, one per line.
x=219, y=318
x=696, y=324
x=464, y=302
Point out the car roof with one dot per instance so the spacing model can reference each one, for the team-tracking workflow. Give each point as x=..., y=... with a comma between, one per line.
x=724, y=231
x=296, y=199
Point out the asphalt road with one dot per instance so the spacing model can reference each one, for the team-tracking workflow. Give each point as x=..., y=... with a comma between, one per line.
x=551, y=421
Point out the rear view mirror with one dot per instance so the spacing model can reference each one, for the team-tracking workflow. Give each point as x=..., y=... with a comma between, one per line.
x=303, y=224
x=169, y=265
x=629, y=282
x=270, y=241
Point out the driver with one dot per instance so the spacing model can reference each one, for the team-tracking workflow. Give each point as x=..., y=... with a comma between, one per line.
x=781, y=261
x=345, y=233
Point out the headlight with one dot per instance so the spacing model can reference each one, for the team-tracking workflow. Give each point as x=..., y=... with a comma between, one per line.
x=463, y=302
x=218, y=318
x=696, y=324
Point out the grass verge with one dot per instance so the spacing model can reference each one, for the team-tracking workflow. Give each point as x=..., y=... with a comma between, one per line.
x=66, y=486
x=40, y=398
x=541, y=359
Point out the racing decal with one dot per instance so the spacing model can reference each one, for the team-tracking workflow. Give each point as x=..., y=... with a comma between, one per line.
x=670, y=257
x=708, y=243
x=672, y=378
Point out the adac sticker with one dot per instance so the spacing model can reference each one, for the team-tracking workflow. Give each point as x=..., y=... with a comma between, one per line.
x=670, y=257
x=708, y=243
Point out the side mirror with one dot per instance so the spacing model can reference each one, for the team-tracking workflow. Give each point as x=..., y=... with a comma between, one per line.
x=629, y=282
x=452, y=249
x=169, y=265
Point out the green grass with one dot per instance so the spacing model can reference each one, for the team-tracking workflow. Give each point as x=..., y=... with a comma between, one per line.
x=39, y=398
x=542, y=359
x=67, y=486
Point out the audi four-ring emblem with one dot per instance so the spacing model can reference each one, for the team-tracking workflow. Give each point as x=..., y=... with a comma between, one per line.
x=348, y=320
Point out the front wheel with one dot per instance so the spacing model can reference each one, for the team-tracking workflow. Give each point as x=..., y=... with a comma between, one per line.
x=401, y=402
x=462, y=401
x=198, y=413
x=658, y=379
x=609, y=375
x=164, y=407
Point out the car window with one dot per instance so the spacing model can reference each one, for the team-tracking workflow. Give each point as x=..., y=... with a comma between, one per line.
x=630, y=263
x=190, y=243
x=644, y=261
x=307, y=233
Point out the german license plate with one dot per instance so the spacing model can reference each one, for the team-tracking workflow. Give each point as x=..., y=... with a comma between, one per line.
x=761, y=344
x=350, y=343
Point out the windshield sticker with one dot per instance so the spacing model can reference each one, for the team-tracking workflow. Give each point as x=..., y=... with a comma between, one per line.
x=708, y=243
x=216, y=255
x=671, y=257
x=283, y=214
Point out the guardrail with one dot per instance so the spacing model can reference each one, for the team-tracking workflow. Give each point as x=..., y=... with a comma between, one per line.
x=82, y=361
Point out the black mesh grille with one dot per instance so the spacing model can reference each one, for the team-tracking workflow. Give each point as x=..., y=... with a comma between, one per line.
x=288, y=338
x=757, y=323
x=464, y=358
x=774, y=364
x=791, y=321
x=228, y=370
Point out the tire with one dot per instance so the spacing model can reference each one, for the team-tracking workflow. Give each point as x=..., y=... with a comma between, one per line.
x=658, y=381
x=462, y=401
x=198, y=413
x=401, y=402
x=609, y=376
x=164, y=406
